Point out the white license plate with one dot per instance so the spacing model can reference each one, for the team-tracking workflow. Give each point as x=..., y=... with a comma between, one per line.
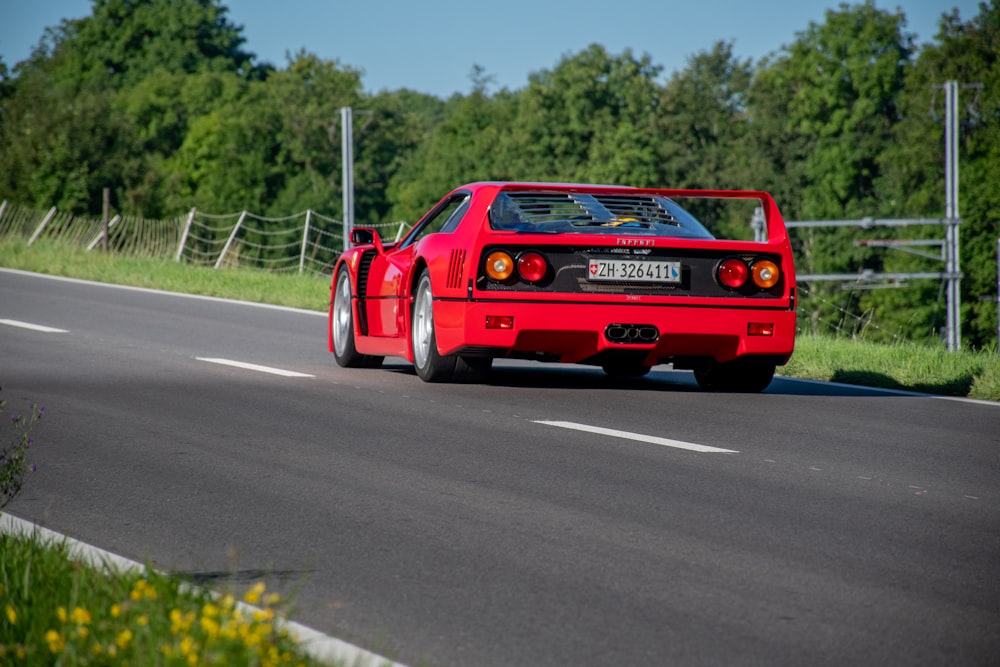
x=634, y=271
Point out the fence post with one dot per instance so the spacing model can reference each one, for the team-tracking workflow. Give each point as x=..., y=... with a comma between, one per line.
x=229, y=241
x=45, y=221
x=184, y=236
x=103, y=234
x=3, y=208
x=305, y=239
x=105, y=212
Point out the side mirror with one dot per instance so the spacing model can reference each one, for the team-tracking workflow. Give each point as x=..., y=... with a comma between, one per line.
x=367, y=236
x=363, y=236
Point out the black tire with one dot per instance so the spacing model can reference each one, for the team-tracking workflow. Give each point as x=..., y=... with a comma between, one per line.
x=740, y=376
x=341, y=325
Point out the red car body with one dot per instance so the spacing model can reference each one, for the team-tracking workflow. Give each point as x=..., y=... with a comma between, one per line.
x=617, y=277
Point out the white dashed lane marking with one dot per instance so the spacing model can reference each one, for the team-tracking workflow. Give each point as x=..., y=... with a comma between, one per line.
x=652, y=439
x=255, y=367
x=32, y=327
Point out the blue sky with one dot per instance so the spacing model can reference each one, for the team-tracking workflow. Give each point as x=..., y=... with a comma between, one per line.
x=431, y=46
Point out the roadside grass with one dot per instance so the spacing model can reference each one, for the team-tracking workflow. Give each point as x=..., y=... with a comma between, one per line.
x=908, y=366
x=307, y=291
x=56, y=611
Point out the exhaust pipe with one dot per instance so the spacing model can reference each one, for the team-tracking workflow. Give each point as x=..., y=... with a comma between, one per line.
x=631, y=333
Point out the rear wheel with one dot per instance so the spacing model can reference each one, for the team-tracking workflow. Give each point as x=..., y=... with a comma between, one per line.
x=430, y=365
x=741, y=375
x=342, y=328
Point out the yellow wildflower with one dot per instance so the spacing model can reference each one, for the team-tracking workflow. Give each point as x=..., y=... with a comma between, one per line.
x=188, y=647
x=116, y=611
x=124, y=638
x=142, y=590
x=142, y=620
x=252, y=596
x=210, y=627
x=80, y=616
x=55, y=641
x=61, y=613
x=11, y=615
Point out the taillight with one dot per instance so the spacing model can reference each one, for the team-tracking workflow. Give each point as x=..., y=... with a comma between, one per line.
x=733, y=273
x=499, y=265
x=765, y=273
x=532, y=267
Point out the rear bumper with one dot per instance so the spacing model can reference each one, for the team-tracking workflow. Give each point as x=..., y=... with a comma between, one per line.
x=576, y=332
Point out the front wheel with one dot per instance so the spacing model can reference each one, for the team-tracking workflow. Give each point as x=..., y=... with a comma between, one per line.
x=739, y=376
x=342, y=328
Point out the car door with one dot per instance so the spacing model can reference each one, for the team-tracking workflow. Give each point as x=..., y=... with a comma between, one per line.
x=389, y=273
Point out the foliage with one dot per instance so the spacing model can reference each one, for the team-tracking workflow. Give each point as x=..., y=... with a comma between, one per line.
x=14, y=456
x=56, y=611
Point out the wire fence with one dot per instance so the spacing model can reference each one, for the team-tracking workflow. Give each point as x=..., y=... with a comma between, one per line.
x=306, y=242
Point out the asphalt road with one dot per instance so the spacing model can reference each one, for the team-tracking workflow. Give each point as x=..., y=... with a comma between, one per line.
x=489, y=525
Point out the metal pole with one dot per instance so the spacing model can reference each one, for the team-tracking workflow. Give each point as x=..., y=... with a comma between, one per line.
x=347, y=151
x=954, y=339
x=759, y=225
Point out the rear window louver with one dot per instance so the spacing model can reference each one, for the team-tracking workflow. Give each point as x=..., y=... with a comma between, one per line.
x=513, y=209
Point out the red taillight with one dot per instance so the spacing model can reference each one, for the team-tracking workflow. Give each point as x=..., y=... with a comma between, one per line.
x=532, y=267
x=733, y=273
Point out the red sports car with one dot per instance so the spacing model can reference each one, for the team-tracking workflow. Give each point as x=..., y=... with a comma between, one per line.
x=617, y=277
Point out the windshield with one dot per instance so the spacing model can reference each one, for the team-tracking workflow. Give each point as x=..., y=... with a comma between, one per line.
x=574, y=212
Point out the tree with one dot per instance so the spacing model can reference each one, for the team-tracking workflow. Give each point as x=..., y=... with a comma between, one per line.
x=704, y=123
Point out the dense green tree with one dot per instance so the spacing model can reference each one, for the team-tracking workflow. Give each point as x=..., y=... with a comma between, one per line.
x=307, y=97
x=124, y=41
x=703, y=126
x=466, y=146
x=591, y=118
x=391, y=130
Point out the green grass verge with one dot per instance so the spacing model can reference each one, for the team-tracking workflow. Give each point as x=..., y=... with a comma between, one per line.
x=58, y=612
x=909, y=366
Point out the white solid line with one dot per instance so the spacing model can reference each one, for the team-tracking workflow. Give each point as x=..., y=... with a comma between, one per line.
x=315, y=643
x=255, y=367
x=33, y=327
x=666, y=442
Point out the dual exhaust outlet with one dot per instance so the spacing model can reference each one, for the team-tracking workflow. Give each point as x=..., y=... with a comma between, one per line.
x=631, y=333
